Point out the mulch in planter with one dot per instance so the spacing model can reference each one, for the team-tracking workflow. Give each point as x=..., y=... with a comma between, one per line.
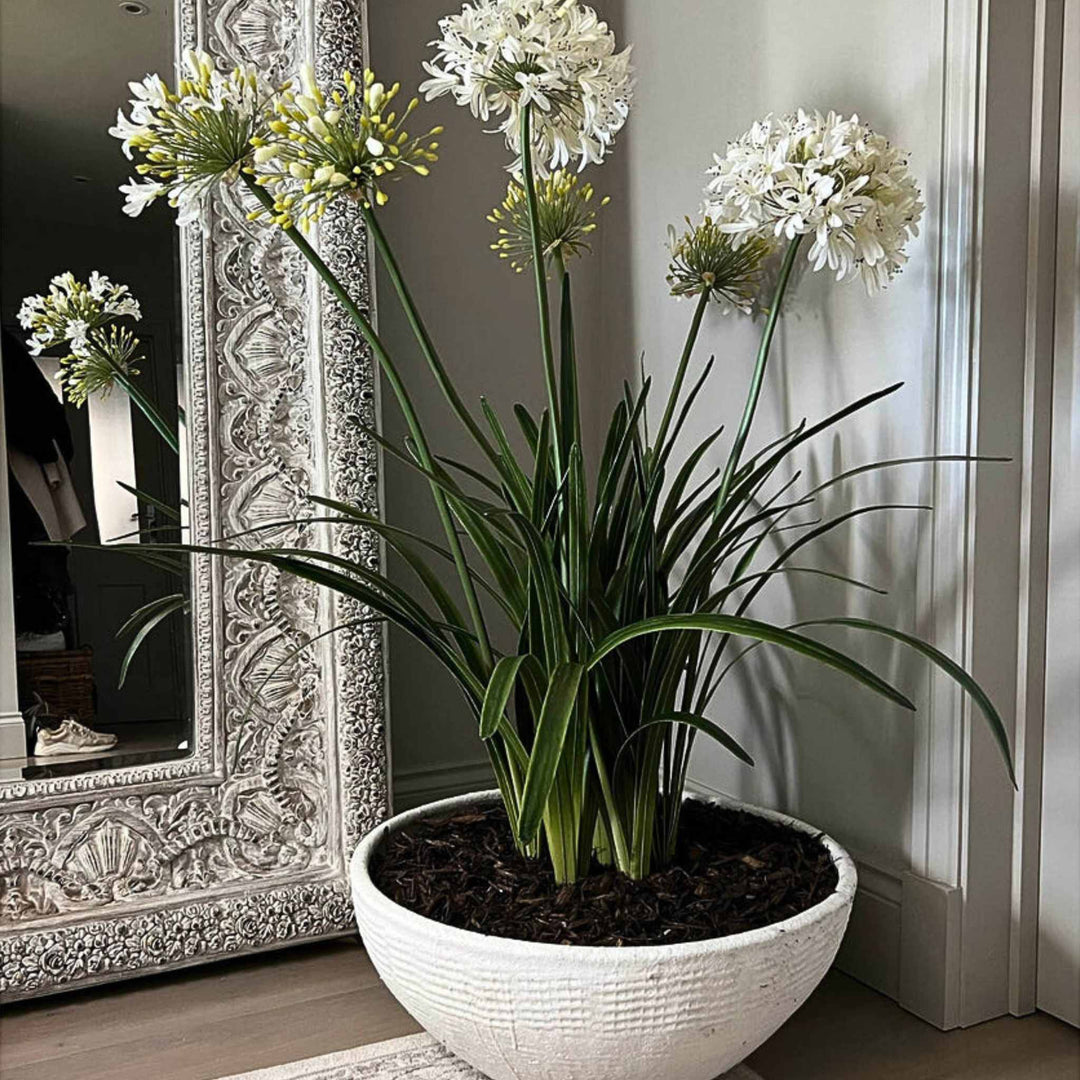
x=733, y=871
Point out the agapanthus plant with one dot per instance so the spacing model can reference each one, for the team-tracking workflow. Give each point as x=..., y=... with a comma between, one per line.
x=629, y=600
x=500, y=56
x=72, y=308
x=828, y=177
x=79, y=321
x=191, y=138
x=320, y=147
x=566, y=215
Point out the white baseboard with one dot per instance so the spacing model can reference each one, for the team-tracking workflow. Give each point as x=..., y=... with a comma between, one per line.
x=871, y=950
x=12, y=736
x=414, y=787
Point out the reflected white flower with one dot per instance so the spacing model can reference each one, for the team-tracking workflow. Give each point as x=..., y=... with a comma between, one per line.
x=497, y=56
x=107, y=353
x=189, y=139
x=72, y=310
x=76, y=331
x=833, y=178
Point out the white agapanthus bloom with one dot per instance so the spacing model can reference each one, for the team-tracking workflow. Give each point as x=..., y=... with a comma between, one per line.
x=72, y=310
x=497, y=56
x=835, y=179
x=190, y=139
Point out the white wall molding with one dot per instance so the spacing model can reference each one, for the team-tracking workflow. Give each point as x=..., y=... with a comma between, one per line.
x=871, y=949
x=1058, y=989
x=12, y=729
x=985, y=586
x=1035, y=500
x=939, y=782
x=930, y=933
x=946, y=591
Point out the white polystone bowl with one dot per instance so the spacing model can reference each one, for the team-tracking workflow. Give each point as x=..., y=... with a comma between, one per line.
x=519, y=1010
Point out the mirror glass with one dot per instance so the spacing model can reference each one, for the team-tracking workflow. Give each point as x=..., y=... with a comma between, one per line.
x=93, y=472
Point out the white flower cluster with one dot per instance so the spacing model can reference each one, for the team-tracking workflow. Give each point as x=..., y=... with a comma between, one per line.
x=833, y=179
x=497, y=56
x=191, y=138
x=72, y=310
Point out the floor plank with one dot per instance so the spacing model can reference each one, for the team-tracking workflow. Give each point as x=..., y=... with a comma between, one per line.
x=247, y=1014
x=849, y=1032
x=135, y=1011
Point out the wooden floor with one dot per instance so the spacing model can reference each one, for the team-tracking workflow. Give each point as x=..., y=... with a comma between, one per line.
x=247, y=1014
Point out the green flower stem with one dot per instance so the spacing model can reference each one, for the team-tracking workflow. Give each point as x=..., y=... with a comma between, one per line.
x=411, y=419
x=560, y=266
x=680, y=374
x=540, y=275
x=423, y=338
x=145, y=405
x=759, y=373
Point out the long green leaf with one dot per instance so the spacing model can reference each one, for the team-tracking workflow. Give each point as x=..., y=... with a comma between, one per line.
x=559, y=704
x=692, y=720
x=169, y=511
x=178, y=604
x=751, y=628
x=892, y=463
x=499, y=688
x=145, y=611
x=949, y=666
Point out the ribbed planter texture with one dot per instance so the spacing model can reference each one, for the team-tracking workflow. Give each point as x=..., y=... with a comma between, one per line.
x=518, y=1010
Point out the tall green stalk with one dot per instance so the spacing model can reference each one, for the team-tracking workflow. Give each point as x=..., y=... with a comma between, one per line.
x=680, y=374
x=758, y=379
x=540, y=276
x=423, y=338
x=411, y=419
x=145, y=405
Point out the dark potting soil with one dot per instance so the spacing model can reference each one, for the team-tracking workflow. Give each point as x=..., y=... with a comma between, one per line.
x=732, y=872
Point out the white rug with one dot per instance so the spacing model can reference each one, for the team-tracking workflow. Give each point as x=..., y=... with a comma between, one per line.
x=415, y=1057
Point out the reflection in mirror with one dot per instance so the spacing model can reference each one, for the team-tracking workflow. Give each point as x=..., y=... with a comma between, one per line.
x=93, y=387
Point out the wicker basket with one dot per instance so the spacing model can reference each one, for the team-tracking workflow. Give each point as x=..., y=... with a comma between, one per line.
x=64, y=680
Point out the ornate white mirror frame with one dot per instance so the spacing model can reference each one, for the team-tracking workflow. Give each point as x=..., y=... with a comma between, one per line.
x=242, y=845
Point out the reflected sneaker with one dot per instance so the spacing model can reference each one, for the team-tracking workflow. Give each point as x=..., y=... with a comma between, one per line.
x=71, y=737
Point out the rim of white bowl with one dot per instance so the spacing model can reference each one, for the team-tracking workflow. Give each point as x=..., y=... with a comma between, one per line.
x=376, y=901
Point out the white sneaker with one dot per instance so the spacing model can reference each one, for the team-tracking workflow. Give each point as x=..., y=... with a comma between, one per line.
x=71, y=737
